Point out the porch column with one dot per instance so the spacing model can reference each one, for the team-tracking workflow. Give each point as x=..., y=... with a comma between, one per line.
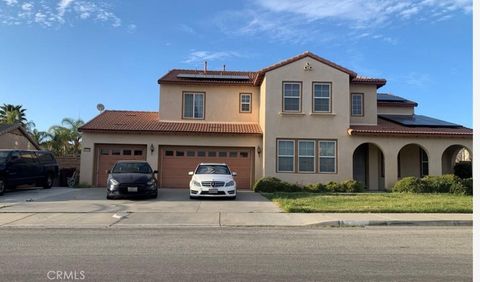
x=391, y=169
x=434, y=161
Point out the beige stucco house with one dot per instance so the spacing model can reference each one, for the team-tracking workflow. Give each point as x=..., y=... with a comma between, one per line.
x=303, y=120
x=14, y=136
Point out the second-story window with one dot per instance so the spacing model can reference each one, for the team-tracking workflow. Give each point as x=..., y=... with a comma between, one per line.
x=322, y=97
x=245, y=102
x=357, y=104
x=193, y=105
x=292, y=97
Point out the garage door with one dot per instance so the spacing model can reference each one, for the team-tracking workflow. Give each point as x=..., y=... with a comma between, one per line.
x=108, y=155
x=176, y=162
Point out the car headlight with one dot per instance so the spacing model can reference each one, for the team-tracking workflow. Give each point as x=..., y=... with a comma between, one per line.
x=114, y=182
x=230, y=183
x=151, y=182
x=196, y=183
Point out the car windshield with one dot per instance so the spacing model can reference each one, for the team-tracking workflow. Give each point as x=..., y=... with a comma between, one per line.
x=3, y=156
x=212, y=169
x=132, y=168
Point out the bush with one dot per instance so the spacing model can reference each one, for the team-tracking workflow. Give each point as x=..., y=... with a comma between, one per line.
x=468, y=184
x=273, y=184
x=315, y=188
x=353, y=186
x=463, y=169
x=464, y=187
x=440, y=184
x=409, y=185
x=334, y=187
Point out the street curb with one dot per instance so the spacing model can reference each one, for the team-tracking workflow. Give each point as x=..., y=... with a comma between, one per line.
x=361, y=223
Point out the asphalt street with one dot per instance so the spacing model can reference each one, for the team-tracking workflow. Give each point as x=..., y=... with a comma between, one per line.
x=240, y=254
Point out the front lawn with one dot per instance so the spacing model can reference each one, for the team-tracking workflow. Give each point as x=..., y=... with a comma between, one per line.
x=372, y=202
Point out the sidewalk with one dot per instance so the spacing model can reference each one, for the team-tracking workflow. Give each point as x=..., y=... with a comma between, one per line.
x=224, y=219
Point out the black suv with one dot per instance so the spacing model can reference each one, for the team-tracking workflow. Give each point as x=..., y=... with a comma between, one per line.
x=18, y=167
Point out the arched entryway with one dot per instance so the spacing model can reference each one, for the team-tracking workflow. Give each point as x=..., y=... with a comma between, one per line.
x=412, y=160
x=369, y=166
x=453, y=155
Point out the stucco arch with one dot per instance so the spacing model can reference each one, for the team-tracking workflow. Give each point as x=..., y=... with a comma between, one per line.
x=369, y=165
x=450, y=157
x=412, y=160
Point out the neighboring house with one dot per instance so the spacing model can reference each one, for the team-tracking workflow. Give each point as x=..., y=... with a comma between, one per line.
x=303, y=120
x=14, y=136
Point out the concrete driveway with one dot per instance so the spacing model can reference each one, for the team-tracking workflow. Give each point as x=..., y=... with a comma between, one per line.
x=92, y=200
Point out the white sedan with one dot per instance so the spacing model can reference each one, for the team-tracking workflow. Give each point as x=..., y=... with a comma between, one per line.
x=213, y=180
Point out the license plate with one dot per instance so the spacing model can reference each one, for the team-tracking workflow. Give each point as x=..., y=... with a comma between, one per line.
x=132, y=189
x=213, y=191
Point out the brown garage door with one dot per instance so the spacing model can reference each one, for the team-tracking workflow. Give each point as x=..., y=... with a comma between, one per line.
x=176, y=162
x=108, y=155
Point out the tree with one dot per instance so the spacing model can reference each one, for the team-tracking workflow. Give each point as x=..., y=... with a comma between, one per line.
x=64, y=139
x=75, y=136
x=40, y=137
x=11, y=114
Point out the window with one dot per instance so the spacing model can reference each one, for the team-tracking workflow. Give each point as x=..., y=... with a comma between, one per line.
x=104, y=152
x=138, y=152
x=212, y=154
x=222, y=154
x=201, y=154
x=233, y=154
x=243, y=154
x=169, y=153
x=116, y=152
x=28, y=157
x=306, y=156
x=190, y=153
x=179, y=153
x=292, y=96
x=327, y=156
x=424, y=163
x=322, y=97
x=357, y=104
x=45, y=157
x=193, y=105
x=285, y=155
x=127, y=152
x=245, y=102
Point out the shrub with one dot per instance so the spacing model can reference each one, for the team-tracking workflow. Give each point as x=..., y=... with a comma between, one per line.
x=463, y=169
x=463, y=187
x=468, y=184
x=315, y=188
x=409, y=185
x=334, y=187
x=273, y=184
x=440, y=184
x=353, y=186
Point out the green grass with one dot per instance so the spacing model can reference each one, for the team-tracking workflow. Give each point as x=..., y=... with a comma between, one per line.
x=372, y=202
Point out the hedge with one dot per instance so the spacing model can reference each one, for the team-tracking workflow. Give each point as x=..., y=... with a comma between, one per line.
x=273, y=184
x=447, y=183
x=463, y=170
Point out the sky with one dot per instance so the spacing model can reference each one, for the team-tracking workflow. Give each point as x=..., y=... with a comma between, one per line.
x=60, y=58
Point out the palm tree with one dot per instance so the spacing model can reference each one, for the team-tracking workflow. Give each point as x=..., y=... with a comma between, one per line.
x=11, y=114
x=75, y=135
x=40, y=137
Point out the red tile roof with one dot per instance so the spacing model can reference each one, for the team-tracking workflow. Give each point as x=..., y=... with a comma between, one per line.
x=148, y=122
x=387, y=128
x=256, y=77
x=172, y=77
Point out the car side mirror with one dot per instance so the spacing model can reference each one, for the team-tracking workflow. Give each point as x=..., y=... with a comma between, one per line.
x=234, y=173
x=109, y=171
x=190, y=173
x=155, y=171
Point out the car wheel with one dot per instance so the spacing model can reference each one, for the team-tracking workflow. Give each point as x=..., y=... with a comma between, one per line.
x=232, y=198
x=110, y=197
x=48, y=182
x=193, y=197
x=3, y=186
x=154, y=196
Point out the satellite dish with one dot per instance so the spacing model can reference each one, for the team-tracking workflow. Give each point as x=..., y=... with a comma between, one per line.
x=100, y=107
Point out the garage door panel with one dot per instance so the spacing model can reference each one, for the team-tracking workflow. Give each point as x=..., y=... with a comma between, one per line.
x=176, y=162
x=108, y=154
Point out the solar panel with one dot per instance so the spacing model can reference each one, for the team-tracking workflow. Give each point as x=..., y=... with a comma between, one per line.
x=390, y=98
x=213, y=76
x=418, y=120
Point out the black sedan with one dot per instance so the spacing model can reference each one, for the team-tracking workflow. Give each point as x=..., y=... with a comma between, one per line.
x=132, y=178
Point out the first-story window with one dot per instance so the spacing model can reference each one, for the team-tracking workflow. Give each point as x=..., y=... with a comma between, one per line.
x=292, y=97
x=306, y=156
x=357, y=104
x=193, y=105
x=424, y=163
x=245, y=102
x=285, y=155
x=327, y=156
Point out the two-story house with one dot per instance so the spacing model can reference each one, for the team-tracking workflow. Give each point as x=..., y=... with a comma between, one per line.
x=303, y=120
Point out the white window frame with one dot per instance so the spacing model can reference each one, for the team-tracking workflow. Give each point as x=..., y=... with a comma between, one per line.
x=329, y=98
x=327, y=157
x=249, y=103
x=289, y=156
x=361, y=105
x=195, y=94
x=307, y=156
x=299, y=97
